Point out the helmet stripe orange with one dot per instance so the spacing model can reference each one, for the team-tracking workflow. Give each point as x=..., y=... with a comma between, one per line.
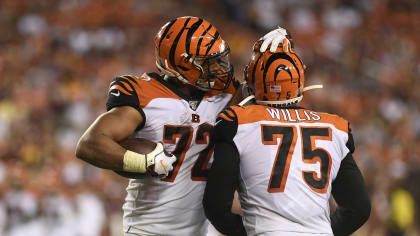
x=301, y=63
x=273, y=58
x=215, y=37
x=169, y=26
x=190, y=33
x=201, y=39
x=175, y=44
x=253, y=71
x=280, y=68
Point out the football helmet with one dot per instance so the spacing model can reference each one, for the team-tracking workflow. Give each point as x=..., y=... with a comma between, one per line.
x=192, y=50
x=276, y=78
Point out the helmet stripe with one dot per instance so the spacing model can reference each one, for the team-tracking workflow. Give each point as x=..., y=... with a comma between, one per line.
x=166, y=31
x=175, y=44
x=253, y=72
x=215, y=37
x=301, y=63
x=273, y=58
x=190, y=33
x=201, y=39
x=280, y=68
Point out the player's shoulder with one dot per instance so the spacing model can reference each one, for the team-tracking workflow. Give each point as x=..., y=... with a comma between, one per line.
x=135, y=81
x=337, y=121
x=145, y=88
x=247, y=111
x=241, y=114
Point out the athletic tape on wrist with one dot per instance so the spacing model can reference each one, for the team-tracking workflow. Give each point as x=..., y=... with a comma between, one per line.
x=134, y=162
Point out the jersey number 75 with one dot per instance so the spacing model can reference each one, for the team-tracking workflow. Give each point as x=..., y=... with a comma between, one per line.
x=310, y=155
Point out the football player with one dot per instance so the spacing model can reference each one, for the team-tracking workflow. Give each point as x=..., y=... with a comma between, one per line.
x=177, y=106
x=284, y=160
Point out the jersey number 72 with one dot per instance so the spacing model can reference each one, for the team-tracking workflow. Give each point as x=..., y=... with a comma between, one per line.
x=184, y=135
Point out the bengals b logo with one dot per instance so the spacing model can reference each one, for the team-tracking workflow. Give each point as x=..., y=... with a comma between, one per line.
x=195, y=118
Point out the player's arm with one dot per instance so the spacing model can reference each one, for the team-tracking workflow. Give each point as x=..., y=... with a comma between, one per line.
x=351, y=194
x=223, y=180
x=99, y=144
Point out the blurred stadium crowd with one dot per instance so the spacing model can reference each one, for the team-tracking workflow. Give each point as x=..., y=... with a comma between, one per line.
x=57, y=58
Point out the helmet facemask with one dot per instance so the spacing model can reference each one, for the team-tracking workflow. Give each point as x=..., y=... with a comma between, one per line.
x=216, y=71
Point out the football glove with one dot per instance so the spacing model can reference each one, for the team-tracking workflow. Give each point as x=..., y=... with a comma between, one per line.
x=274, y=38
x=161, y=160
x=157, y=162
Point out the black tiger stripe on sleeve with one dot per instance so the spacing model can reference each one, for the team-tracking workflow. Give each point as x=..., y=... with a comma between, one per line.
x=226, y=126
x=123, y=91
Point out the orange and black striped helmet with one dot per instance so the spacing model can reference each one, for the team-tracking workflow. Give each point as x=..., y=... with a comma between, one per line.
x=192, y=50
x=276, y=78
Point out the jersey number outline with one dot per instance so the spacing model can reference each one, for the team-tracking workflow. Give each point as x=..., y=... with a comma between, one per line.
x=310, y=155
x=184, y=135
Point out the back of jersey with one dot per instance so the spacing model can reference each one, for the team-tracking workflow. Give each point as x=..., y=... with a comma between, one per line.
x=288, y=160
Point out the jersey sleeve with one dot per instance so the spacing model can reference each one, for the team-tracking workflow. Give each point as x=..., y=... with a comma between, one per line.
x=350, y=141
x=351, y=194
x=123, y=91
x=226, y=126
x=223, y=178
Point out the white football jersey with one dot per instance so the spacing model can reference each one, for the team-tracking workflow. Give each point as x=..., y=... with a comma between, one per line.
x=171, y=206
x=288, y=160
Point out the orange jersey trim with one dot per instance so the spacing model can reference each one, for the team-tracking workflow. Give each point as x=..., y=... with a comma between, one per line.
x=255, y=113
x=127, y=86
x=223, y=116
x=148, y=88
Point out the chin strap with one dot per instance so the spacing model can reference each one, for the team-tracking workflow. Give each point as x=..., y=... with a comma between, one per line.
x=171, y=73
x=292, y=101
x=318, y=86
x=247, y=99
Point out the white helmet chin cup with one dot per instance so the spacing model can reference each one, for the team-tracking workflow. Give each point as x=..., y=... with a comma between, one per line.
x=283, y=103
x=292, y=101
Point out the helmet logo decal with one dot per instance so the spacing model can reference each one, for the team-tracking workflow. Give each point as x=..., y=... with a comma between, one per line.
x=275, y=88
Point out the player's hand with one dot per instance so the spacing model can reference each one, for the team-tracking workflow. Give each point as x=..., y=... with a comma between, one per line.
x=274, y=38
x=162, y=161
